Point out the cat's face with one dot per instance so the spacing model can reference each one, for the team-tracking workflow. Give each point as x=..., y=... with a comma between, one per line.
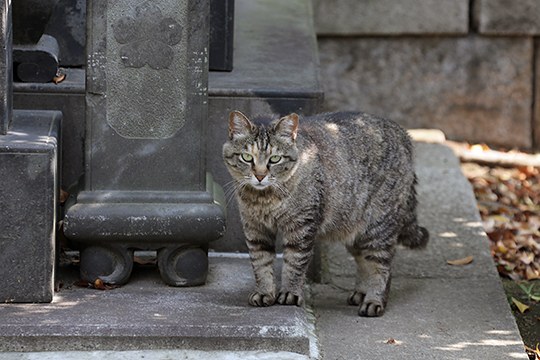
x=261, y=156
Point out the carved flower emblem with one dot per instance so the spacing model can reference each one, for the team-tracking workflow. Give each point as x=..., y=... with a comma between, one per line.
x=147, y=38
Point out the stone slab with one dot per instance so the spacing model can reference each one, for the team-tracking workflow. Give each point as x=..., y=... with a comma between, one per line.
x=453, y=84
x=29, y=188
x=391, y=17
x=435, y=311
x=68, y=97
x=508, y=17
x=426, y=318
x=146, y=314
x=265, y=30
x=154, y=355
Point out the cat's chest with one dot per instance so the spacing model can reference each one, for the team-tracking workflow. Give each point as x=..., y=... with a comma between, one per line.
x=264, y=210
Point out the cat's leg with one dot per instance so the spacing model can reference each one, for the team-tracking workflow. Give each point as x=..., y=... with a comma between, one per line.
x=297, y=254
x=262, y=253
x=372, y=278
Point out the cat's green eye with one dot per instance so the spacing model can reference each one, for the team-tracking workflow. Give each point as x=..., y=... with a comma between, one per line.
x=247, y=157
x=275, y=159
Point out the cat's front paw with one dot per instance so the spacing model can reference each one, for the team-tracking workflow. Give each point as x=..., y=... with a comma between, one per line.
x=369, y=308
x=288, y=298
x=258, y=299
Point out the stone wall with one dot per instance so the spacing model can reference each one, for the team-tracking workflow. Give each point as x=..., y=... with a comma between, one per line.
x=467, y=67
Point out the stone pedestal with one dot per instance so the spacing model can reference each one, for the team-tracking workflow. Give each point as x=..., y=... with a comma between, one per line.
x=29, y=188
x=146, y=185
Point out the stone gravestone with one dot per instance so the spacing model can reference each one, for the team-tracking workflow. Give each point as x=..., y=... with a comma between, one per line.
x=146, y=184
x=29, y=189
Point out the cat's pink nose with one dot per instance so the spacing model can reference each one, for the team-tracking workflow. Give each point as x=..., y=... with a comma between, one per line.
x=260, y=177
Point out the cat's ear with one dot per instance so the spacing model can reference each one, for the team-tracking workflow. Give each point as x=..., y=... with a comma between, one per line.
x=287, y=126
x=239, y=125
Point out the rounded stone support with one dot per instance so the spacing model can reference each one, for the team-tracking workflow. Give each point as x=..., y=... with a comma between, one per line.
x=183, y=266
x=111, y=265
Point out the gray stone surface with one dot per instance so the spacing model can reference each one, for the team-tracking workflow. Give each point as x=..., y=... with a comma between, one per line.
x=474, y=88
x=427, y=318
x=275, y=71
x=6, y=74
x=146, y=95
x=145, y=180
x=391, y=17
x=508, y=17
x=435, y=310
x=146, y=314
x=68, y=97
x=29, y=188
x=155, y=355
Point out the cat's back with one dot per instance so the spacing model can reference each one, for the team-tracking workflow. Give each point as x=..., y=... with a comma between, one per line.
x=356, y=134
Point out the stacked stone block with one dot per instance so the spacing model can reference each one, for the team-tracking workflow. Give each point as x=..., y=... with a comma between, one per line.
x=467, y=67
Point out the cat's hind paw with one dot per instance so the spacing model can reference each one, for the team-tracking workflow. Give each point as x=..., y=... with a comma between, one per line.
x=288, y=298
x=258, y=299
x=368, y=308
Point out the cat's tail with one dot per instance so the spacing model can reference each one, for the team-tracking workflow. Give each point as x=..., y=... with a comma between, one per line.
x=414, y=236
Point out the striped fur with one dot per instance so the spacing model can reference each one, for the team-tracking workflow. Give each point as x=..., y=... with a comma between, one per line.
x=346, y=177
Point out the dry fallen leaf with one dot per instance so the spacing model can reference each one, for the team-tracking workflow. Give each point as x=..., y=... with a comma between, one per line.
x=391, y=341
x=520, y=306
x=59, y=77
x=463, y=261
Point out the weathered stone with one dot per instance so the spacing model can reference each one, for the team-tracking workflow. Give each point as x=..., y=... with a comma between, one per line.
x=68, y=97
x=476, y=89
x=146, y=185
x=146, y=314
x=391, y=17
x=36, y=63
x=68, y=25
x=221, y=35
x=29, y=188
x=6, y=74
x=508, y=17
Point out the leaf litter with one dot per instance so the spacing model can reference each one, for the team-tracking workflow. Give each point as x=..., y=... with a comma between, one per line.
x=508, y=200
x=509, y=204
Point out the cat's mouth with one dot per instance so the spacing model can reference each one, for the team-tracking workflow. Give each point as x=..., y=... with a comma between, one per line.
x=260, y=186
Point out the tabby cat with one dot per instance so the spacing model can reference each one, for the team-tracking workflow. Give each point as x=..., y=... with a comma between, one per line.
x=344, y=176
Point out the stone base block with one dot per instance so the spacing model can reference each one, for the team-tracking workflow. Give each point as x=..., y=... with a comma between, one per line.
x=29, y=188
x=109, y=225
x=475, y=89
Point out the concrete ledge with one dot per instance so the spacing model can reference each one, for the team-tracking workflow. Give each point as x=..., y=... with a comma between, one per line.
x=146, y=314
x=508, y=17
x=435, y=310
x=391, y=17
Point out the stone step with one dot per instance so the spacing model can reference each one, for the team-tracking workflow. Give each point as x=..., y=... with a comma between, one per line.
x=146, y=314
x=435, y=310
